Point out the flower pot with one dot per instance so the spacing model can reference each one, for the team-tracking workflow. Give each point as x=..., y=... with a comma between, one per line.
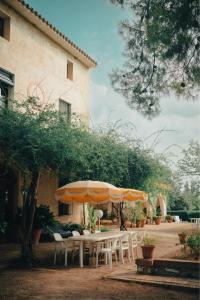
x=142, y=223
x=158, y=220
x=137, y=223
x=133, y=225
x=169, y=220
x=36, y=236
x=182, y=238
x=128, y=224
x=148, y=251
x=148, y=221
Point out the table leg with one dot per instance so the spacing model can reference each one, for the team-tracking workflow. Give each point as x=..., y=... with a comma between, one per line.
x=65, y=256
x=81, y=254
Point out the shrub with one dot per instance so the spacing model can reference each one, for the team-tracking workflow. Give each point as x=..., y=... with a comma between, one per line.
x=43, y=217
x=185, y=215
x=149, y=241
x=193, y=242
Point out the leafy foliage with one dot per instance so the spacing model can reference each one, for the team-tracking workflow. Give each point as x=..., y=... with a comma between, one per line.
x=162, y=52
x=43, y=217
x=193, y=242
x=189, y=165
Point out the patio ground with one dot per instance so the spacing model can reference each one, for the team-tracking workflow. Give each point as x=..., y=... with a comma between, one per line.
x=49, y=282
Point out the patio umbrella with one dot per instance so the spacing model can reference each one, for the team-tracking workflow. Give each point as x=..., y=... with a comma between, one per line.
x=134, y=195
x=89, y=192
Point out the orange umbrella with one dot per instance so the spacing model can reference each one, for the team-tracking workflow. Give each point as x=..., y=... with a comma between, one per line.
x=134, y=195
x=89, y=192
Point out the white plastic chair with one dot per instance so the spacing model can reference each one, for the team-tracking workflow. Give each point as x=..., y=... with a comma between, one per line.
x=106, y=249
x=75, y=233
x=60, y=247
x=133, y=243
x=124, y=247
x=140, y=236
x=86, y=232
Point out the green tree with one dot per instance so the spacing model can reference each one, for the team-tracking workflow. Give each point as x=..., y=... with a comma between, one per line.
x=162, y=52
x=189, y=165
x=34, y=139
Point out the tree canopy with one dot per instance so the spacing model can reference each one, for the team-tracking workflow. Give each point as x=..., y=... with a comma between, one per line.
x=162, y=52
x=189, y=165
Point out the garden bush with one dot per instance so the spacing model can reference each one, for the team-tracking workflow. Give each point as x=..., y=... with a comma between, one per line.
x=184, y=215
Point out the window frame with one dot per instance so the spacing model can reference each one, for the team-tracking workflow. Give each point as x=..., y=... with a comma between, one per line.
x=6, y=26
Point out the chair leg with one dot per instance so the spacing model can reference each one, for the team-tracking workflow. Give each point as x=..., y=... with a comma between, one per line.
x=122, y=256
x=110, y=259
x=129, y=257
x=106, y=258
x=66, y=257
x=116, y=256
x=97, y=257
x=54, y=260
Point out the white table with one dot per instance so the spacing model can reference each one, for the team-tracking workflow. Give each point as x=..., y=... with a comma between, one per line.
x=92, y=238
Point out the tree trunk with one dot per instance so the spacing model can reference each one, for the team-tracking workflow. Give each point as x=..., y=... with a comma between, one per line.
x=27, y=219
x=122, y=219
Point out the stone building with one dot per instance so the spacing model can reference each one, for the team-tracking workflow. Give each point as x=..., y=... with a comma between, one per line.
x=38, y=60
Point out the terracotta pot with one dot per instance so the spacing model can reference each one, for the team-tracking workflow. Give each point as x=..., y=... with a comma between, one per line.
x=182, y=238
x=138, y=223
x=128, y=224
x=148, y=251
x=142, y=223
x=148, y=221
x=169, y=220
x=158, y=220
x=36, y=236
x=133, y=225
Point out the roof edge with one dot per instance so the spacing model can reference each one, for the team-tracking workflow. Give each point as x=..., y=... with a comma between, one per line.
x=51, y=31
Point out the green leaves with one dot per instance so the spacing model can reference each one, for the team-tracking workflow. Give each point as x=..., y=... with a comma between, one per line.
x=165, y=34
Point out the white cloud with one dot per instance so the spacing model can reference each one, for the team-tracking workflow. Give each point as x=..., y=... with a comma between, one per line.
x=180, y=119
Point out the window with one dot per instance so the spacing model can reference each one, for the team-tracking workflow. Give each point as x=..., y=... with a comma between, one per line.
x=1, y=27
x=64, y=209
x=69, y=70
x=4, y=26
x=65, y=108
x=6, y=87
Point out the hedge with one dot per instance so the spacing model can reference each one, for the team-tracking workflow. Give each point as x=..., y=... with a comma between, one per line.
x=184, y=215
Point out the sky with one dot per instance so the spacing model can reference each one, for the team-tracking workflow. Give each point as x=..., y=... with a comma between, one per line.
x=93, y=26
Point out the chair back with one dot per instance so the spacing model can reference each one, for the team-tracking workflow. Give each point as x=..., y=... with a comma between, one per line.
x=140, y=236
x=125, y=237
x=114, y=243
x=57, y=237
x=75, y=233
x=86, y=232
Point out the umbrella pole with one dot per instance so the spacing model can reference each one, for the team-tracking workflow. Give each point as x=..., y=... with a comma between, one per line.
x=83, y=214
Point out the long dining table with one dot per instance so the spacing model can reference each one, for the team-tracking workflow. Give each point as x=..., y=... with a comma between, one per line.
x=93, y=238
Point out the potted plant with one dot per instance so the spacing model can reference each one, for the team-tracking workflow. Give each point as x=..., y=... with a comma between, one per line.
x=42, y=220
x=148, y=247
x=142, y=219
x=157, y=220
x=182, y=237
x=169, y=218
x=138, y=223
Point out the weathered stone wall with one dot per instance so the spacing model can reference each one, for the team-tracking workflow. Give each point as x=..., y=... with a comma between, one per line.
x=40, y=65
x=40, y=68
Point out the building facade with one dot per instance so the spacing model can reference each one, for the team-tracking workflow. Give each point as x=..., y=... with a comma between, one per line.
x=37, y=60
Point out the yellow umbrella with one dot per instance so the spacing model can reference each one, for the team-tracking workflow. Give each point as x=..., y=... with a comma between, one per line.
x=89, y=192
x=134, y=195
